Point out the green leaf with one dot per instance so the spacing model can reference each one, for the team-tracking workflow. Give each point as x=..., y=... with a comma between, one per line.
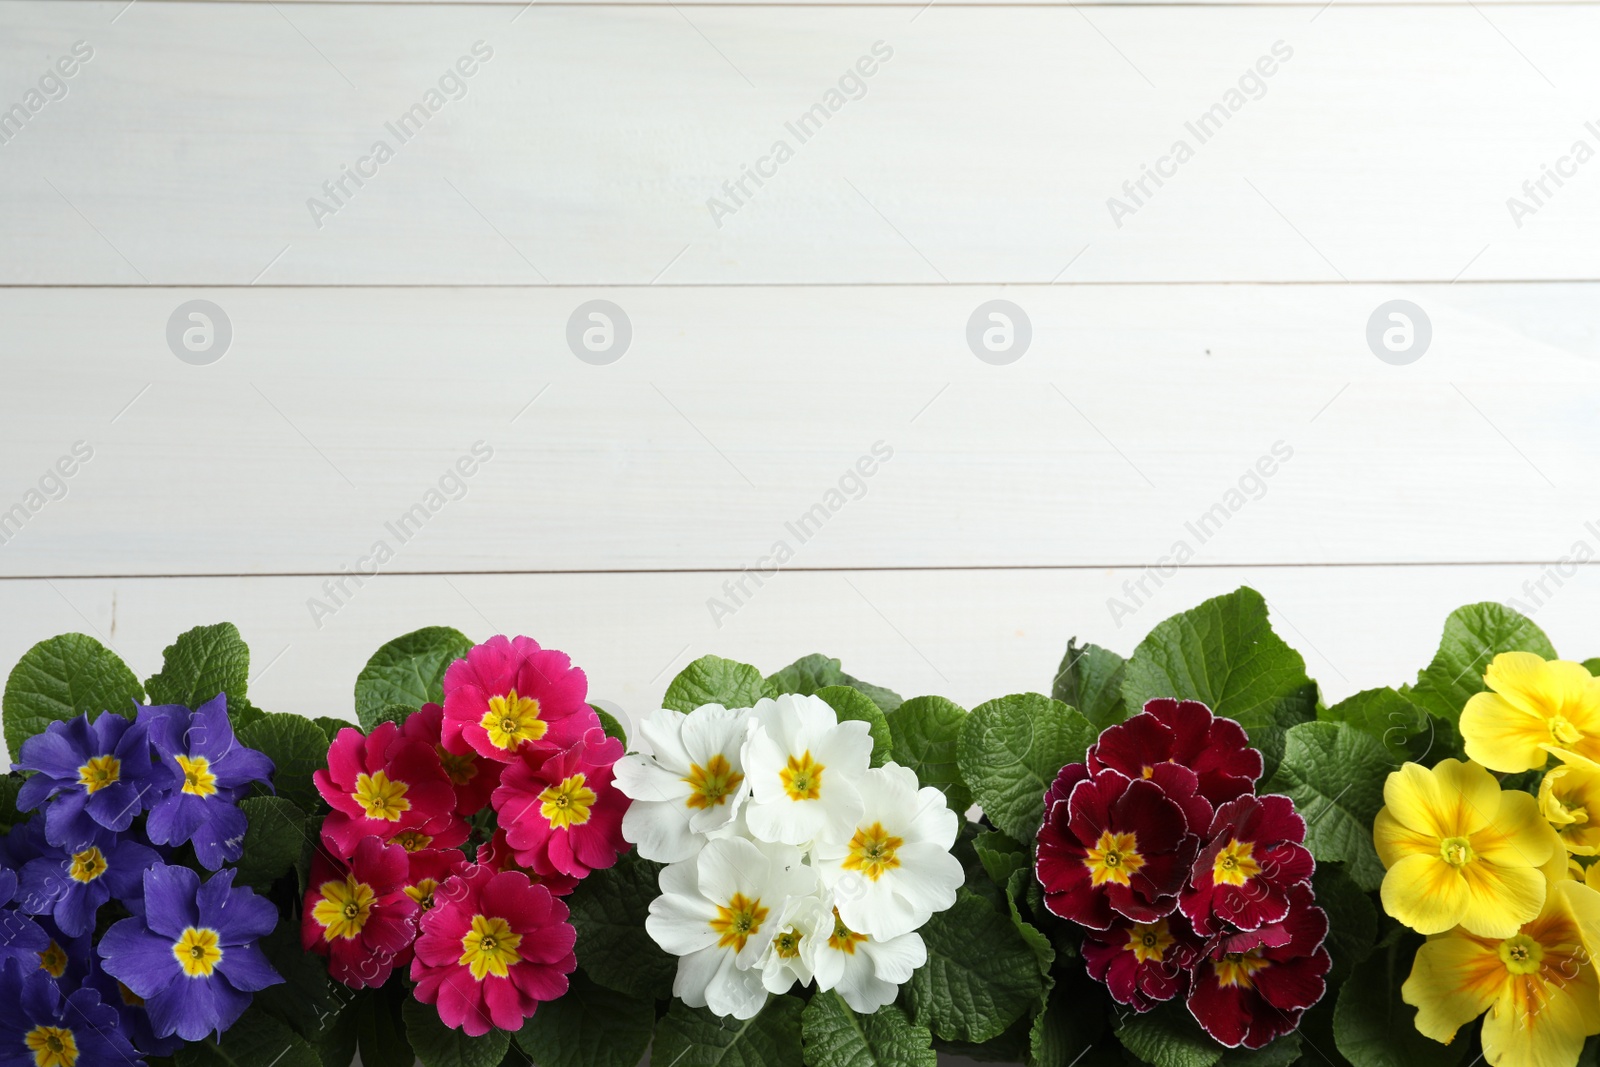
x=1168, y=1037
x=1011, y=750
x=272, y=840
x=10, y=784
x=242, y=713
x=1317, y=758
x=256, y=1040
x=693, y=1037
x=1280, y=1052
x=1090, y=679
x=63, y=678
x=1000, y=855
x=1373, y=1027
x=1408, y=731
x=330, y=727
x=437, y=1045
x=981, y=976
x=589, y=1026
x=811, y=673
x=297, y=747
x=408, y=670
x=608, y=910
x=1473, y=636
x=305, y=1000
x=835, y=1036
x=714, y=680
x=201, y=663
x=395, y=713
x=1032, y=936
x=380, y=1030
x=1593, y=667
x=338, y=1041
x=1225, y=654
x=610, y=725
x=1352, y=920
x=852, y=704
x=1072, y=1024
x=927, y=736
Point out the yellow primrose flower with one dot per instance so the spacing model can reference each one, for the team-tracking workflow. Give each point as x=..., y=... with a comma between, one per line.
x=1535, y=707
x=1459, y=849
x=1567, y=796
x=1539, y=985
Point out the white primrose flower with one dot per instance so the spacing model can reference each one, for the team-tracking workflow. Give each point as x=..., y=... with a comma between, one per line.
x=785, y=961
x=686, y=780
x=803, y=765
x=867, y=972
x=891, y=869
x=716, y=912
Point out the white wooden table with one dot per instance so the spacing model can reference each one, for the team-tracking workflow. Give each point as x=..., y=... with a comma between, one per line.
x=782, y=332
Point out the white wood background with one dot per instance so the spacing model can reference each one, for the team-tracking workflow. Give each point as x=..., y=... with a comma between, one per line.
x=1225, y=316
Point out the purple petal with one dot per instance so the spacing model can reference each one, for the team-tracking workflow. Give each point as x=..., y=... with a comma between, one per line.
x=196, y=1007
x=174, y=819
x=246, y=968
x=169, y=899
x=138, y=959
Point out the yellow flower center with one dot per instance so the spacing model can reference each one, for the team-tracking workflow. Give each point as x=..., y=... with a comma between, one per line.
x=422, y=892
x=787, y=944
x=511, y=720
x=381, y=798
x=87, y=865
x=843, y=939
x=413, y=840
x=198, y=780
x=54, y=960
x=567, y=805
x=490, y=947
x=52, y=1046
x=1456, y=851
x=98, y=773
x=198, y=951
x=711, y=784
x=872, y=851
x=1235, y=864
x=739, y=921
x=1149, y=941
x=1521, y=954
x=344, y=908
x=1563, y=731
x=802, y=778
x=1236, y=968
x=461, y=769
x=1114, y=858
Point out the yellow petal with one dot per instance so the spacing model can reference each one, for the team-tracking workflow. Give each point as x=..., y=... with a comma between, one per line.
x=1451, y=800
x=1525, y=679
x=1454, y=979
x=1518, y=835
x=1395, y=842
x=1501, y=899
x=1542, y=1024
x=1502, y=736
x=1583, y=903
x=1425, y=893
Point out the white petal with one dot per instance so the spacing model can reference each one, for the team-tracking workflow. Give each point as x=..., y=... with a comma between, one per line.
x=736, y=993
x=695, y=973
x=660, y=831
x=715, y=730
x=895, y=959
x=730, y=866
x=642, y=778
x=681, y=924
x=662, y=731
x=861, y=988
